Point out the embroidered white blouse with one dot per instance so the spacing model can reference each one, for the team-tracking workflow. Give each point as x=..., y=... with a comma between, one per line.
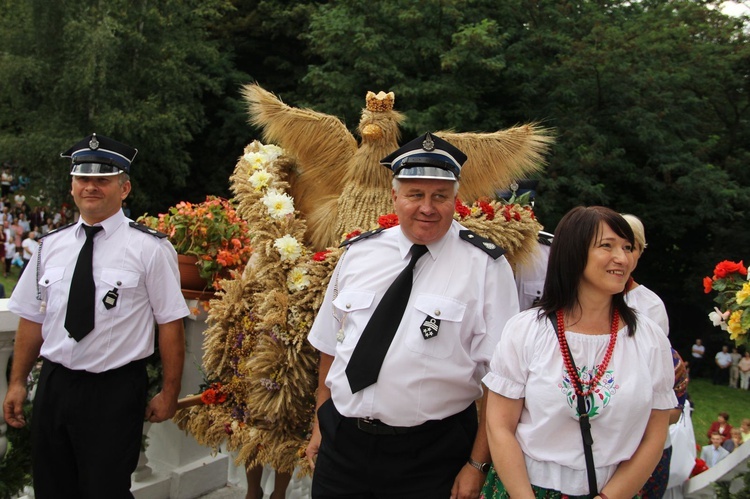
x=527, y=364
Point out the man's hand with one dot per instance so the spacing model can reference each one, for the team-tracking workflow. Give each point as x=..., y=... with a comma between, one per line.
x=13, y=406
x=468, y=483
x=313, y=446
x=161, y=408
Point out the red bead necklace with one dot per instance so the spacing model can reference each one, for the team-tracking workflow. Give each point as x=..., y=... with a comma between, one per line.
x=567, y=357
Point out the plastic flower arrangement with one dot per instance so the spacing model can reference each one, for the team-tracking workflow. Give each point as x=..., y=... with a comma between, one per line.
x=211, y=231
x=732, y=314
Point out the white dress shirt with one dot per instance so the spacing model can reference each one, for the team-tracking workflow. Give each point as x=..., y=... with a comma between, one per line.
x=649, y=304
x=421, y=379
x=142, y=268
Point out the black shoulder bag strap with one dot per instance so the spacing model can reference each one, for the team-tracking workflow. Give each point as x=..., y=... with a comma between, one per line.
x=583, y=420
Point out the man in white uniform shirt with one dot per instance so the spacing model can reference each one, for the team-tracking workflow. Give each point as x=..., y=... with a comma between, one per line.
x=412, y=431
x=87, y=305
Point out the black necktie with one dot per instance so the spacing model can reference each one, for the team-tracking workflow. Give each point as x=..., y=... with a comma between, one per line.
x=79, y=317
x=367, y=358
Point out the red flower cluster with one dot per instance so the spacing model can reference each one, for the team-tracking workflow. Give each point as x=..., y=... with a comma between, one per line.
x=213, y=395
x=509, y=213
x=700, y=467
x=320, y=255
x=352, y=234
x=388, y=221
x=726, y=267
x=722, y=270
x=462, y=210
x=487, y=209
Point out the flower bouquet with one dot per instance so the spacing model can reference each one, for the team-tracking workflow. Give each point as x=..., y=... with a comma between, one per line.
x=733, y=311
x=211, y=231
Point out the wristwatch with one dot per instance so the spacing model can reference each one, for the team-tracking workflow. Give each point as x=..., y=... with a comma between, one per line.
x=483, y=467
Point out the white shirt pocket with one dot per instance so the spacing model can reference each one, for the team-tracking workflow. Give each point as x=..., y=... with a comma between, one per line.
x=352, y=311
x=448, y=311
x=126, y=284
x=49, y=285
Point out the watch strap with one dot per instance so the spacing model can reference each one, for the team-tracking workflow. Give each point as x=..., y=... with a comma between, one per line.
x=483, y=467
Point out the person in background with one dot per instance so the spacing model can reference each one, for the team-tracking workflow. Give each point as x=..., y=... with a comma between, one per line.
x=254, y=490
x=6, y=179
x=10, y=246
x=697, y=354
x=745, y=429
x=561, y=360
x=28, y=248
x=409, y=429
x=714, y=452
x=734, y=369
x=734, y=441
x=529, y=273
x=723, y=362
x=721, y=426
x=89, y=310
x=638, y=296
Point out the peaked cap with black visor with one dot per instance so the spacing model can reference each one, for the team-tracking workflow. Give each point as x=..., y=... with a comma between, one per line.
x=97, y=155
x=428, y=157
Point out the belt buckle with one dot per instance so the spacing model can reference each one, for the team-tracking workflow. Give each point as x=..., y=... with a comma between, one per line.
x=367, y=425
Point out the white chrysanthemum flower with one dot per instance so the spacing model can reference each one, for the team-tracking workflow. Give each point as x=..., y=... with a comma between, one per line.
x=255, y=159
x=272, y=152
x=279, y=204
x=289, y=248
x=260, y=179
x=297, y=280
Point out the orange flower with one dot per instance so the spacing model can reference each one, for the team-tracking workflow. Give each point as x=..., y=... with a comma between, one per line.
x=707, y=284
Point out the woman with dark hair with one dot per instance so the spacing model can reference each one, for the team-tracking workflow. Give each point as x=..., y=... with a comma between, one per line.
x=578, y=402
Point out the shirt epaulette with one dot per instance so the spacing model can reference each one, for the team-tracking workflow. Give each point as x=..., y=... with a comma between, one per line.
x=545, y=238
x=364, y=235
x=56, y=230
x=482, y=243
x=148, y=230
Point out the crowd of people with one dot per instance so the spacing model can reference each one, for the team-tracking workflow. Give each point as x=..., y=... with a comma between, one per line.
x=731, y=365
x=724, y=439
x=23, y=225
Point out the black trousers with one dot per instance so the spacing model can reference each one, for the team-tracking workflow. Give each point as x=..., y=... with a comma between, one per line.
x=86, y=431
x=422, y=463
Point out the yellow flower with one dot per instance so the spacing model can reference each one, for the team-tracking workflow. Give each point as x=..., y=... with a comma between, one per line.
x=733, y=325
x=743, y=294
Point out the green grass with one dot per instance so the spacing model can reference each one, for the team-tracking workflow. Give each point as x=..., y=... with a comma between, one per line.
x=10, y=282
x=709, y=400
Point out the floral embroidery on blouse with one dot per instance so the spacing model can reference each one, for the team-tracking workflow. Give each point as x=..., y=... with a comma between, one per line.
x=599, y=397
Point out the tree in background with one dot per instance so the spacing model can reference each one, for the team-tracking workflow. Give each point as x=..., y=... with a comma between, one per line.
x=138, y=71
x=649, y=99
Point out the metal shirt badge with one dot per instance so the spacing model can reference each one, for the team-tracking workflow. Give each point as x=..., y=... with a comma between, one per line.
x=110, y=299
x=430, y=327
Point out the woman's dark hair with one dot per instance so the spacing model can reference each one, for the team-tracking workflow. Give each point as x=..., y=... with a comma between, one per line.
x=569, y=255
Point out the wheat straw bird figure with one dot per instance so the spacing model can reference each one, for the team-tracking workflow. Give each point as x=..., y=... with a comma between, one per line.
x=339, y=185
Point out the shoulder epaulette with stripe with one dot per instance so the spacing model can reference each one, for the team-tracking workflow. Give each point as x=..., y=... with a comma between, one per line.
x=482, y=243
x=364, y=235
x=148, y=230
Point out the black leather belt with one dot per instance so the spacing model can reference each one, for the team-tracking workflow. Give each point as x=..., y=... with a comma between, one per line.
x=377, y=427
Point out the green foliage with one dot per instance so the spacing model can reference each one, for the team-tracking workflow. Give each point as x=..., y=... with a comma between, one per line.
x=136, y=71
x=15, y=466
